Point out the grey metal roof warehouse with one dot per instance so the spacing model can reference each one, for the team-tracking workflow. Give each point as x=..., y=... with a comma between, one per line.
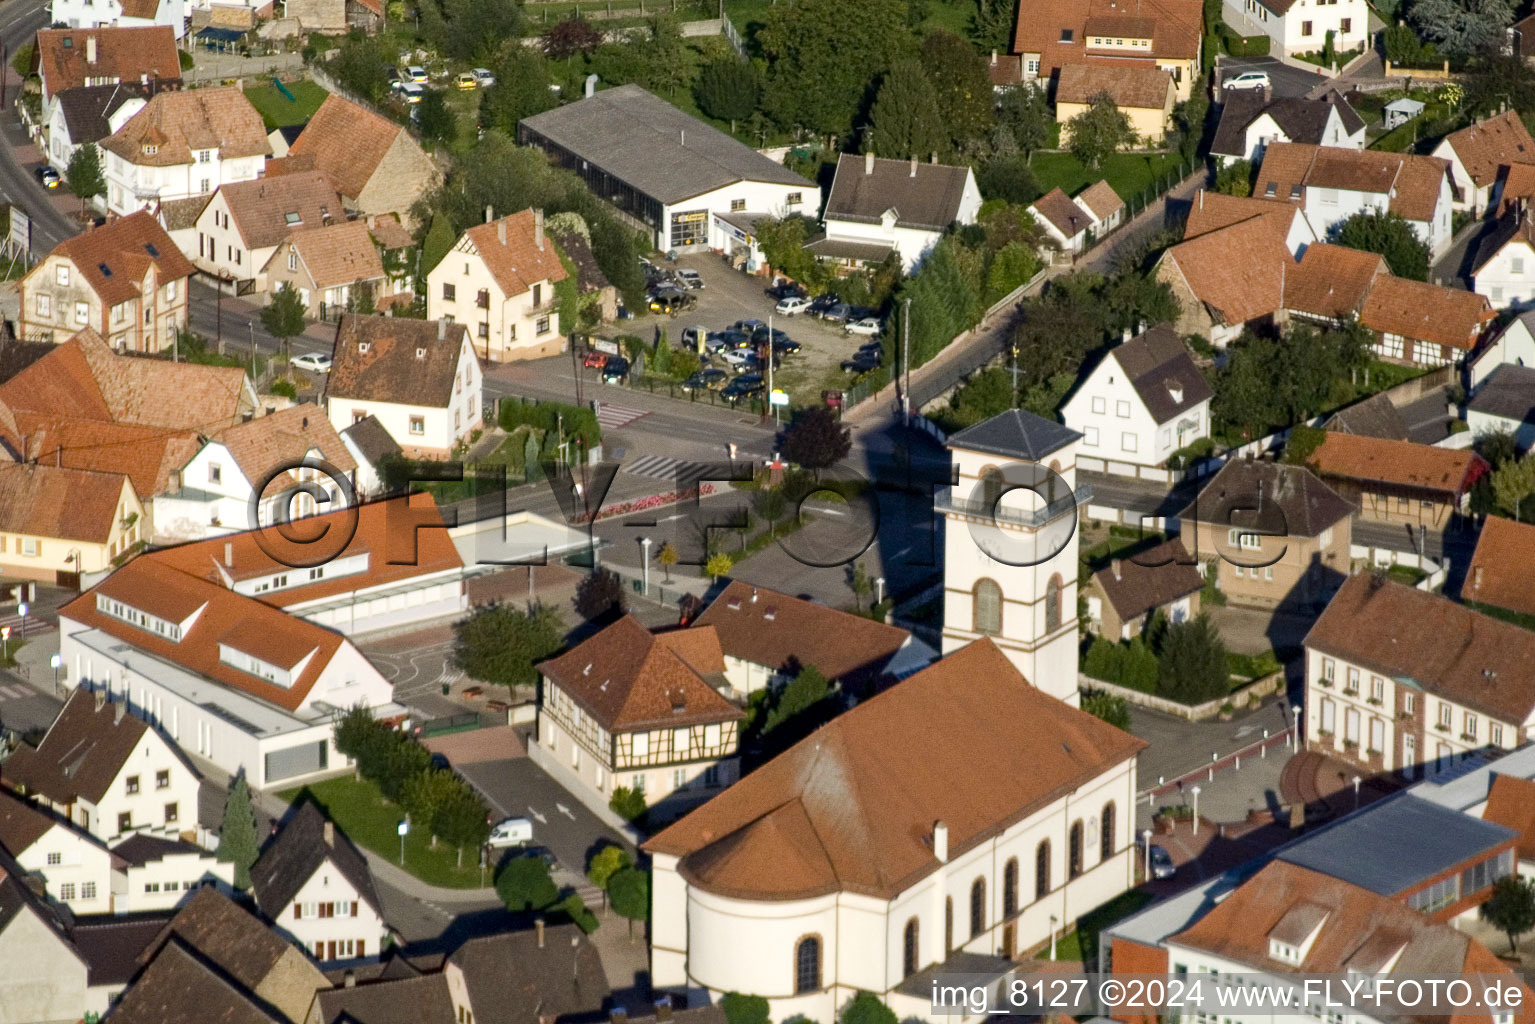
x=652, y=146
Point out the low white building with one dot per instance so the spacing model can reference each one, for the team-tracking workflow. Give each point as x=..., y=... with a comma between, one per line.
x=670, y=171
x=901, y=845
x=1075, y=223
x=1143, y=402
x=84, y=115
x=418, y=378
x=107, y=771
x=1478, y=152
x=74, y=865
x=371, y=449
x=900, y=206
x=152, y=873
x=1302, y=26
x=1503, y=268
x=315, y=888
x=120, y=14
x=1505, y=402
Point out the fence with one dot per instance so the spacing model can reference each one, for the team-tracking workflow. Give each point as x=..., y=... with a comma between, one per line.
x=733, y=36
x=1287, y=738
x=1252, y=693
x=1434, y=573
x=547, y=12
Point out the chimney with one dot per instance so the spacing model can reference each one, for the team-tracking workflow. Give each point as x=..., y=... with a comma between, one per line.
x=349, y=979
x=490, y=213
x=501, y=231
x=1476, y=577
x=941, y=842
x=682, y=137
x=329, y=833
x=913, y=165
x=591, y=85
x=90, y=49
x=754, y=595
x=442, y=330
x=933, y=159
x=1118, y=567
x=101, y=699
x=229, y=554
x=993, y=58
x=538, y=229
x=1125, y=335
x=118, y=709
x=663, y=1008
x=1201, y=199
x=868, y=162
x=538, y=930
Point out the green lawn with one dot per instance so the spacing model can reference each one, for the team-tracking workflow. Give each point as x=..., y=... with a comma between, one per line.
x=1129, y=174
x=369, y=820
x=280, y=112
x=1082, y=944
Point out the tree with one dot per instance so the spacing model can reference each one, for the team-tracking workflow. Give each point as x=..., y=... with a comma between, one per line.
x=905, y=119
x=1496, y=446
x=1302, y=444
x=1511, y=909
x=284, y=316
x=1235, y=179
x=745, y=1009
x=1462, y=27
x=1497, y=81
x=815, y=440
x=1192, y=665
x=962, y=87
x=1513, y=482
x=782, y=241
x=1099, y=131
x=1011, y=266
x=524, y=884
x=629, y=892
x=718, y=564
x=436, y=121
x=565, y=39
x=461, y=819
x=521, y=90
x=991, y=26
x=469, y=29
x=627, y=803
x=1191, y=115
x=821, y=56
x=600, y=595
x=439, y=242
x=666, y=558
x=422, y=795
x=606, y=863
x=729, y=89
x=238, y=844
x=1024, y=112
x=1391, y=236
x=798, y=696
x=1108, y=707
x=866, y=1008
x=859, y=582
x=501, y=643
x=1009, y=178
x=84, y=176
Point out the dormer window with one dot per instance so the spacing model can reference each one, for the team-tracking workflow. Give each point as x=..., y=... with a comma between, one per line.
x=292, y=218
x=362, y=346
x=150, y=149
x=420, y=353
x=1284, y=953
x=1067, y=35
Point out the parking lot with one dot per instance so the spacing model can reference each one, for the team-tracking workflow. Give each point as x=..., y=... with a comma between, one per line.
x=729, y=295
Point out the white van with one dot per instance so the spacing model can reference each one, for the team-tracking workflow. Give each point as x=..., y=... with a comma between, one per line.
x=511, y=832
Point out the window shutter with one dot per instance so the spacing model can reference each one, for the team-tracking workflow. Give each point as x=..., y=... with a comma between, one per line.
x=354, y=911
x=298, y=912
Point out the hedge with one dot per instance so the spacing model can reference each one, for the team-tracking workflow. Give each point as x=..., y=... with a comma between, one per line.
x=549, y=416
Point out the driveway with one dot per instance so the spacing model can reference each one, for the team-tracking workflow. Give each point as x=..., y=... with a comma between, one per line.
x=1288, y=82
x=515, y=787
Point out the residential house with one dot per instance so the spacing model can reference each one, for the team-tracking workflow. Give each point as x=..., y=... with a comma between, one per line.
x=68, y=58
x=1516, y=183
x=233, y=680
x=1503, y=268
x=1124, y=596
x=1498, y=574
x=1509, y=799
x=372, y=449
x=679, y=176
x=498, y=281
x=1514, y=344
x=1165, y=34
x=1145, y=400
x=887, y=865
x=42, y=975
x=766, y=637
x=592, y=285
x=107, y=771
x=56, y=523
x=249, y=476
x=374, y=163
x=635, y=709
x=1424, y=324
x=1398, y=678
x=110, y=947
x=1399, y=482
x=1270, y=535
x=125, y=280
x=419, y=378
x=1250, y=119
x=1146, y=95
x=243, y=223
x=170, y=14
x=333, y=269
x=1302, y=26
x=1372, y=417
x=84, y=115
x=216, y=960
x=896, y=205
x=184, y=144
x=1333, y=184
x=335, y=17
x=1478, y=152
x=1211, y=211
x=1331, y=283
x=1505, y=401
x=75, y=867
x=1075, y=223
x=156, y=873
x=315, y=887
x=1228, y=279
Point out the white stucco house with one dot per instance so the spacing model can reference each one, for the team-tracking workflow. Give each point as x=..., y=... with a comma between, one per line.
x=1478, y=152
x=120, y=14
x=1074, y=223
x=1143, y=402
x=84, y=114
x=244, y=222
x=315, y=888
x=672, y=172
x=107, y=771
x=74, y=865
x=1250, y=120
x=1301, y=26
x=43, y=976
x=901, y=206
x=1514, y=344
x=419, y=378
x=1503, y=268
x=875, y=885
x=155, y=873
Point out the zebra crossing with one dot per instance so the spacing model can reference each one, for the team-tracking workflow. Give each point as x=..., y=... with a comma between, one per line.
x=614, y=416
x=660, y=467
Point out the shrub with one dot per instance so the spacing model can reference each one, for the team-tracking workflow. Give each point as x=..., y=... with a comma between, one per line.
x=552, y=416
x=1113, y=710
x=1131, y=665
x=745, y=1009
x=628, y=804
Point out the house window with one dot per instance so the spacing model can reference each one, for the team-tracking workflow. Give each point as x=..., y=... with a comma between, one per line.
x=124, y=821
x=171, y=813
x=1244, y=541
x=417, y=425
x=1074, y=850
x=292, y=259
x=29, y=547
x=948, y=925
x=1444, y=714
x=1346, y=25
x=793, y=199
x=1409, y=702
x=82, y=313
x=1010, y=888
x=449, y=293
x=170, y=291
x=215, y=473
x=1516, y=265
x=1090, y=437
x=484, y=330
x=67, y=891
x=807, y=965
x=61, y=275
x=1127, y=441
x=1497, y=735
x=1067, y=35
x=910, y=954
x=44, y=305
x=1352, y=684
x=55, y=859
x=736, y=206
x=1106, y=832
x=162, y=779
x=1100, y=404
x=1042, y=870
x=1470, y=725
x=977, y=907
x=133, y=784
x=1305, y=28
x=1122, y=410
x=541, y=325
x=988, y=607
x=88, y=891
x=1032, y=65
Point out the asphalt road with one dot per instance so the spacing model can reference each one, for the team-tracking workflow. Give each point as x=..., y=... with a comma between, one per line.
x=518, y=788
x=19, y=22
x=1287, y=82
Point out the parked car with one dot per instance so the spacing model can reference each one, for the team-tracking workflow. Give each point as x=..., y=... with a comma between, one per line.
x=760, y=335
x=671, y=304
x=711, y=379
x=863, y=362
x=543, y=853
x=412, y=92
x=691, y=335
x=744, y=386
x=483, y=76
x=417, y=73
x=595, y=360
x=756, y=364
x=467, y=81
x=792, y=305
x=312, y=362
x=48, y=177
x=786, y=346
x=737, y=357
x=868, y=325
x=510, y=832
x=784, y=290
x=1162, y=865
x=821, y=303
x=692, y=278
x=837, y=313
x=732, y=339
x=1247, y=80
x=615, y=370
x=747, y=325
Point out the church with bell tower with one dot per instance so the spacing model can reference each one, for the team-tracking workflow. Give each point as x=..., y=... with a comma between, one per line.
x=1010, y=546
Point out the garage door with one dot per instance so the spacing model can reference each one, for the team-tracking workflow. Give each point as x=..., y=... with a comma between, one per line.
x=300, y=760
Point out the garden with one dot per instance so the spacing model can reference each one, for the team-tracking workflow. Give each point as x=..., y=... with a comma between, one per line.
x=280, y=111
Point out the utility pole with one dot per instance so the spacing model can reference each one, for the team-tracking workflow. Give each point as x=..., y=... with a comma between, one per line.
x=1015, y=375
x=906, y=359
x=252, y=325
x=770, y=370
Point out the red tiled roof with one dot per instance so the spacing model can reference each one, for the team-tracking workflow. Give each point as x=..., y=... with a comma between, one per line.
x=174, y=125
x=347, y=142
x=1378, y=460
x=1488, y=145
x=1237, y=272
x=1042, y=24
x=510, y=251
x=1511, y=803
x=122, y=54
x=67, y=504
x=1211, y=211
x=1502, y=566
x=1126, y=84
x=1331, y=281
x=114, y=257
x=1426, y=312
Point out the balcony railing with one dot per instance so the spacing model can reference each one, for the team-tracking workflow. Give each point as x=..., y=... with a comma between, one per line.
x=945, y=501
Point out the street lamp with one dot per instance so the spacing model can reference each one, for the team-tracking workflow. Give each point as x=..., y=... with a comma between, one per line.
x=1196, y=810
x=22, y=609
x=1052, y=936
x=403, y=828
x=1356, y=792
x=1146, y=835
x=56, y=660
x=879, y=590
x=645, y=543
